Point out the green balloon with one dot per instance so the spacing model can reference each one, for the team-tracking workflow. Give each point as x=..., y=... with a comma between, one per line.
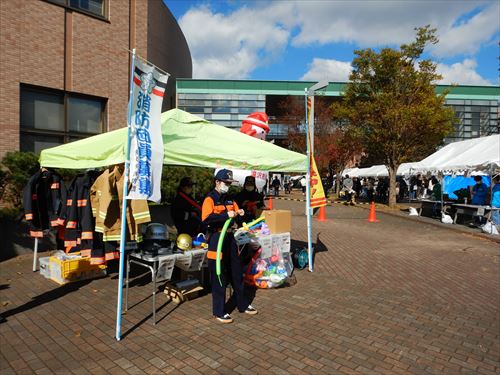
x=219, y=248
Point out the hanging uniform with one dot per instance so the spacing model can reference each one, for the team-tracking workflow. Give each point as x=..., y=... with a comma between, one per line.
x=43, y=199
x=214, y=214
x=106, y=201
x=79, y=234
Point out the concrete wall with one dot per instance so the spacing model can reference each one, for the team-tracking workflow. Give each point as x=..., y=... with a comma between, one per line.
x=167, y=48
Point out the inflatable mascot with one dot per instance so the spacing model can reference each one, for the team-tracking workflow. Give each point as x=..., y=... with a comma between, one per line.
x=256, y=125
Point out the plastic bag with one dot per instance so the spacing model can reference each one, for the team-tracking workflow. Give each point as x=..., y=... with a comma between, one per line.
x=490, y=228
x=446, y=219
x=413, y=211
x=269, y=271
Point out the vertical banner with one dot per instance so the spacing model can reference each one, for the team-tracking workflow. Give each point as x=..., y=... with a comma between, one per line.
x=317, y=192
x=318, y=198
x=146, y=151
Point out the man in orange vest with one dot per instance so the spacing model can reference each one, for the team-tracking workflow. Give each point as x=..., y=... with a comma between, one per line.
x=217, y=208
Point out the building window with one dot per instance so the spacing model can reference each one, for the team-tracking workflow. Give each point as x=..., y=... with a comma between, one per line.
x=92, y=7
x=50, y=117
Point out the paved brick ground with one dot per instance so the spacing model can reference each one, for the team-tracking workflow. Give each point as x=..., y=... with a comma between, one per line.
x=393, y=297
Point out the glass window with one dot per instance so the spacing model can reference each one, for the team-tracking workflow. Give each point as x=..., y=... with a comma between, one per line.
x=91, y=6
x=84, y=115
x=221, y=110
x=50, y=117
x=42, y=109
x=36, y=142
x=95, y=7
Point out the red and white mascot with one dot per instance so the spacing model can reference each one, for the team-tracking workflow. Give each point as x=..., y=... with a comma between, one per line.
x=256, y=125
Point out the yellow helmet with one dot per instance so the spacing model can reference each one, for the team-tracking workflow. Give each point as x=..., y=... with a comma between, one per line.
x=184, y=242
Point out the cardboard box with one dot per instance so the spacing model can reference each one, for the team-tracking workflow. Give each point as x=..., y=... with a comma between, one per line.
x=278, y=221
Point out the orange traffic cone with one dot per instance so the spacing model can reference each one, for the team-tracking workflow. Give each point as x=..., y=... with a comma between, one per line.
x=270, y=203
x=322, y=214
x=372, y=217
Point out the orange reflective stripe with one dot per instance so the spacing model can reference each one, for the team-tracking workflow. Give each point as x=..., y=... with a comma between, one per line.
x=60, y=221
x=55, y=185
x=69, y=202
x=34, y=197
x=112, y=255
x=71, y=225
x=36, y=233
x=69, y=243
x=213, y=255
x=85, y=253
x=97, y=260
x=82, y=202
x=29, y=216
x=54, y=223
x=87, y=235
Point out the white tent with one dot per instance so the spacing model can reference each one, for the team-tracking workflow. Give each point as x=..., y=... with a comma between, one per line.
x=478, y=154
x=373, y=171
x=352, y=172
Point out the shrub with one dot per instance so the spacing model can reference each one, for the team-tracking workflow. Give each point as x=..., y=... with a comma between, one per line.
x=16, y=169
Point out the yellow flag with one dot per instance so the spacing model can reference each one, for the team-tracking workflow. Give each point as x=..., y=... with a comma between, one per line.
x=318, y=198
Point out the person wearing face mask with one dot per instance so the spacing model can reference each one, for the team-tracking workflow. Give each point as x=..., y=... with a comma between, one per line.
x=186, y=212
x=250, y=199
x=217, y=208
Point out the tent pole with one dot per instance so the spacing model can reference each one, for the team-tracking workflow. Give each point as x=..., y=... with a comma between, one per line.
x=35, y=254
x=124, y=205
x=308, y=191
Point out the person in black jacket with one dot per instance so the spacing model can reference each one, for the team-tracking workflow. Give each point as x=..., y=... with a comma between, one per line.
x=250, y=199
x=186, y=211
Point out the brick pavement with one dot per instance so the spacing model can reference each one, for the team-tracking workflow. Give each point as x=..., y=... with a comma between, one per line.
x=394, y=297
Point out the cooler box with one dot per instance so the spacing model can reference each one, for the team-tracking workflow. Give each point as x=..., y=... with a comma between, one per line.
x=44, y=267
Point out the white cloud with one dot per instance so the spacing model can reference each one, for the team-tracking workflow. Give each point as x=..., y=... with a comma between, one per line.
x=467, y=37
x=374, y=23
x=235, y=44
x=331, y=70
x=463, y=73
x=232, y=46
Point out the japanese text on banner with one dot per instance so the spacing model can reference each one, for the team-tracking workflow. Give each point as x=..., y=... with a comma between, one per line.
x=146, y=151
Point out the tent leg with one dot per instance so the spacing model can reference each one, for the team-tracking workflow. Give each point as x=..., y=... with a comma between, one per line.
x=35, y=254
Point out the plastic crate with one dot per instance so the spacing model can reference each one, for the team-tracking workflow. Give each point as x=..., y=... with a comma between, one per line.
x=191, y=260
x=44, y=267
x=71, y=270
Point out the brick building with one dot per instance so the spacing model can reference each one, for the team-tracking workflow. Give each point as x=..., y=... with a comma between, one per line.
x=64, y=66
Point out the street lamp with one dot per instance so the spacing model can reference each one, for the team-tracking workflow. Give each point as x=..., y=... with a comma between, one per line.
x=309, y=94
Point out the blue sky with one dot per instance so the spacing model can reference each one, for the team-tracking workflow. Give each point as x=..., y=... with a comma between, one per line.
x=316, y=39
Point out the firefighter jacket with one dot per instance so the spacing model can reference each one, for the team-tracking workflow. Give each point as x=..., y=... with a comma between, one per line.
x=215, y=208
x=79, y=233
x=250, y=201
x=106, y=199
x=43, y=198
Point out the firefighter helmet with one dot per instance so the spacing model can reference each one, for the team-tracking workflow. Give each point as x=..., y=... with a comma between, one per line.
x=184, y=242
x=155, y=231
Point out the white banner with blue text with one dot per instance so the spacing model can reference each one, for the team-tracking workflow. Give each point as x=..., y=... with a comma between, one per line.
x=146, y=151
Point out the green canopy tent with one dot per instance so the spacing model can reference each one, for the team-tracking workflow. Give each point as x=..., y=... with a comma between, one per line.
x=188, y=140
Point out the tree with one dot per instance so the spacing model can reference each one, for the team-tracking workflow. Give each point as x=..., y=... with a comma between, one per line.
x=345, y=148
x=325, y=132
x=391, y=101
